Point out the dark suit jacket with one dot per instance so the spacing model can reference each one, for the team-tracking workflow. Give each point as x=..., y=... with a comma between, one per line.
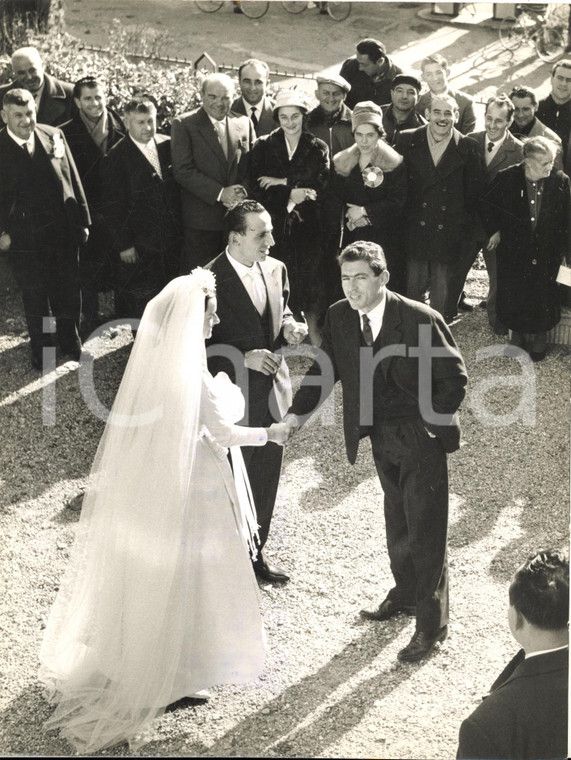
x=240, y=327
x=440, y=207
x=200, y=167
x=467, y=115
x=509, y=153
x=56, y=103
x=141, y=209
x=87, y=155
x=525, y=715
x=266, y=123
x=341, y=344
x=14, y=213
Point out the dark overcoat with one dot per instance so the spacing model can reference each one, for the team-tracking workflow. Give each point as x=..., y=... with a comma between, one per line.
x=298, y=234
x=527, y=259
x=440, y=207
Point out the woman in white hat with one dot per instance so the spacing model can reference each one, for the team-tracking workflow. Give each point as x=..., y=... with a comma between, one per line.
x=370, y=179
x=288, y=172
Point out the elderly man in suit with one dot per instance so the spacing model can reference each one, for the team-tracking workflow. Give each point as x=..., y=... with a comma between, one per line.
x=435, y=72
x=43, y=221
x=443, y=176
x=498, y=149
x=252, y=290
x=209, y=147
x=53, y=98
x=526, y=124
x=370, y=73
x=141, y=207
x=403, y=380
x=254, y=78
x=90, y=134
x=524, y=717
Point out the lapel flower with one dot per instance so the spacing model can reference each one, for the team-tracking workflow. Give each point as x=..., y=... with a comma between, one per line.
x=57, y=146
x=372, y=176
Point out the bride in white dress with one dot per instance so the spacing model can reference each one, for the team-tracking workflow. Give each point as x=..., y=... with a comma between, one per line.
x=160, y=599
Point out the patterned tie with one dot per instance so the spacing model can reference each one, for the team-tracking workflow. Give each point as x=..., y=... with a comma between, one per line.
x=490, y=147
x=256, y=291
x=367, y=332
x=153, y=158
x=254, y=119
x=221, y=132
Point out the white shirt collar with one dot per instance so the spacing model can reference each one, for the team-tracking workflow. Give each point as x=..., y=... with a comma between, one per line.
x=217, y=121
x=375, y=316
x=241, y=269
x=248, y=107
x=546, y=651
x=144, y=146
x=496, y=144
x=29, y=141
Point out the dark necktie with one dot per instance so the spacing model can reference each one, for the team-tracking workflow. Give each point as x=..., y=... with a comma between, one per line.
x=490, y=147
x=367, y=332
x=254, y=118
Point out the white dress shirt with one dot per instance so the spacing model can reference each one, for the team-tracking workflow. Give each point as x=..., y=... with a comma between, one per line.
x=30, y=143
x=489, y=154
x=150, y=152
x=375, y=317
x=253, y=280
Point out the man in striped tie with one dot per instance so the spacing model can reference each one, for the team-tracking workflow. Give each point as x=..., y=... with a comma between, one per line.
x=403, y=380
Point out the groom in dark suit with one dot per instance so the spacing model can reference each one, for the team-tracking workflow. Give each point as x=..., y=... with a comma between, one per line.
x=525, y=715
x=403, y=380
x=252, y=289
x=43, y=221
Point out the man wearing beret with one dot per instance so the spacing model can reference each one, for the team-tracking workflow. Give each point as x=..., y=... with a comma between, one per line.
x=370, y=73
x=401, y=114
x=331, y=122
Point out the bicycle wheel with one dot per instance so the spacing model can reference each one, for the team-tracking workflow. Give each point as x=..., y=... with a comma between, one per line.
x=295, y=6
x=209, y=6
x=550, y=45
x=512, y=33
x=254, y=8
x=338, y=11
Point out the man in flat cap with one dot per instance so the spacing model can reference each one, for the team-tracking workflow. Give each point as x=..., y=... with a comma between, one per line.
x=370, y=73
x=331, y=122
x=401, y=114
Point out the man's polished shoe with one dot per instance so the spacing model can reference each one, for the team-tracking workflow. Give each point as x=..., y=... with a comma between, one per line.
x=537, y=356
x=270, y=573
x=483, y=304
x=421, y=644
x=387, y=609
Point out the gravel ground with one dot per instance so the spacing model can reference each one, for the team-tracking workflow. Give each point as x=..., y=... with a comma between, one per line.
x=332, y=686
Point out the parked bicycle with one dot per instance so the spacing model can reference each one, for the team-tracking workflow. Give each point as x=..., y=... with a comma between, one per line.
x=338, y=11
x=532, y=26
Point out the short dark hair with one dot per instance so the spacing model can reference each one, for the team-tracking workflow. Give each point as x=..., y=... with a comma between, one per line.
x=540, y=590
x=235, y=218
x=17, y=97
x=364, y=250
x=373, y=48
x=566, y=63
x=500, y=101
x=88, y=82
x=141, y=104
x=253, y=62
x=524, y=92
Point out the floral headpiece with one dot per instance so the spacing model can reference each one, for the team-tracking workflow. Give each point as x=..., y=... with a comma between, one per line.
x=203, y=279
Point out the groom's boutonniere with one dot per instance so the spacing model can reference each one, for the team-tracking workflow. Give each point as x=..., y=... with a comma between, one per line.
x=372, y=176
x=57, y=146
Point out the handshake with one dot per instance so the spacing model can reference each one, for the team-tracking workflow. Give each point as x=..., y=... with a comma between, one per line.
x=281, y=432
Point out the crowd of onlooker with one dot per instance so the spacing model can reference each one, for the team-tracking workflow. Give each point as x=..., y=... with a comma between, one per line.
x=98, y=201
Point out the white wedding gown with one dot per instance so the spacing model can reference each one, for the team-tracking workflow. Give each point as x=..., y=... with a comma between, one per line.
x=161, y=601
